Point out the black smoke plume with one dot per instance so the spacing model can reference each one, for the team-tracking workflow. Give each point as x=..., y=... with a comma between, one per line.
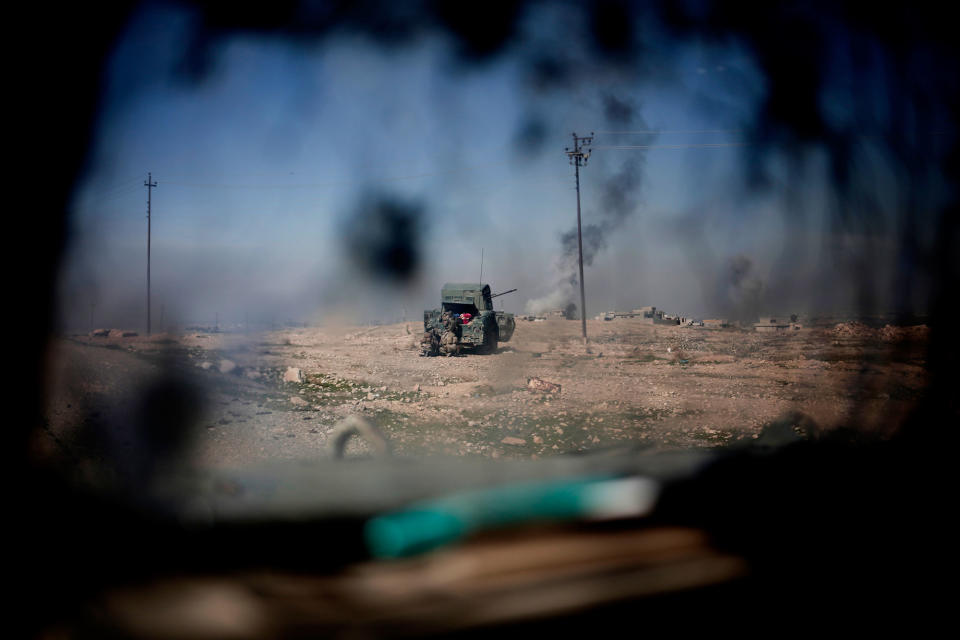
x=740, y=290
x=617, y=181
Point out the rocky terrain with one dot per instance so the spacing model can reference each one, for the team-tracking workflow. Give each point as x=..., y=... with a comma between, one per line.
x=278, y=395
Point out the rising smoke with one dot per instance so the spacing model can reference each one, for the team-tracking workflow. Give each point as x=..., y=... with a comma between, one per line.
x=740, y=290
x=618, y=181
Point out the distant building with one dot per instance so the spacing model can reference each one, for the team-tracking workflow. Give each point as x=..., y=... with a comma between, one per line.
x=771, y=324
x=569, y=312
x=651, y=315
x=716, y=323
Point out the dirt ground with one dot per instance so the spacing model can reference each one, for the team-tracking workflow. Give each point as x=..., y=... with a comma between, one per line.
x=657, y=387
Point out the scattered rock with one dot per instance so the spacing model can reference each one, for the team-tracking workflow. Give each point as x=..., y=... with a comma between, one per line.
x=205, y=365
x=298, y=401
x=100, y=333
x=293, y=374
x=541, y=385
x=253, y=374
x=226, y=366
x=512, y=440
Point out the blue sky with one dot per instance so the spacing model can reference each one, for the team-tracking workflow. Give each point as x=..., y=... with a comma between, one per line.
x=261, y=164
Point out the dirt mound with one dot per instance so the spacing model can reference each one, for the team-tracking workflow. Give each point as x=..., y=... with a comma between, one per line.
x=916, y=333
x=854, y=330
x=889, y=333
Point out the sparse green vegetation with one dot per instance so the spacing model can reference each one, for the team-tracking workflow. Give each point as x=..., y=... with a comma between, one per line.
x=722, y=388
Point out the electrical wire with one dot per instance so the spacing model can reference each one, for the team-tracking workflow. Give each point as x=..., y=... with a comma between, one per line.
x=315, y=185
x=705, y=145
x=659, y=131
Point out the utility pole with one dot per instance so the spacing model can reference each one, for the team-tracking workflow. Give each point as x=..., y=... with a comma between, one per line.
x=149, y=184
x=578, y=157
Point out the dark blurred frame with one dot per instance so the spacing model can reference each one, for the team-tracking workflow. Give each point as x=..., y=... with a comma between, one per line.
x=68, y=545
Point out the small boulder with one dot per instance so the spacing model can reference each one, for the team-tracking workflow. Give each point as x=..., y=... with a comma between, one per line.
x=227, y=366
x=542, y=386
x=514, y=441
x=293, y=374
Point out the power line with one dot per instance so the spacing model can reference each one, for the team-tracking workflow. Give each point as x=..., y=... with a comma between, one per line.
x=112, y=190
x=668, y=131
x=704, y=145
x=119, y=194
x=316, y=185
x=122, y=184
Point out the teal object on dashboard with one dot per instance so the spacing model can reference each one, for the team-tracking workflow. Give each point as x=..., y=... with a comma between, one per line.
x=434, y=523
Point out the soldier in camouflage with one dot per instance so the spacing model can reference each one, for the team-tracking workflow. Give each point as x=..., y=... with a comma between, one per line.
x=430, y=343
x=450, y=340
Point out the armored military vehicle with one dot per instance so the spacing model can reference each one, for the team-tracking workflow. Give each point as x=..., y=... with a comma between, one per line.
x=484, y=328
